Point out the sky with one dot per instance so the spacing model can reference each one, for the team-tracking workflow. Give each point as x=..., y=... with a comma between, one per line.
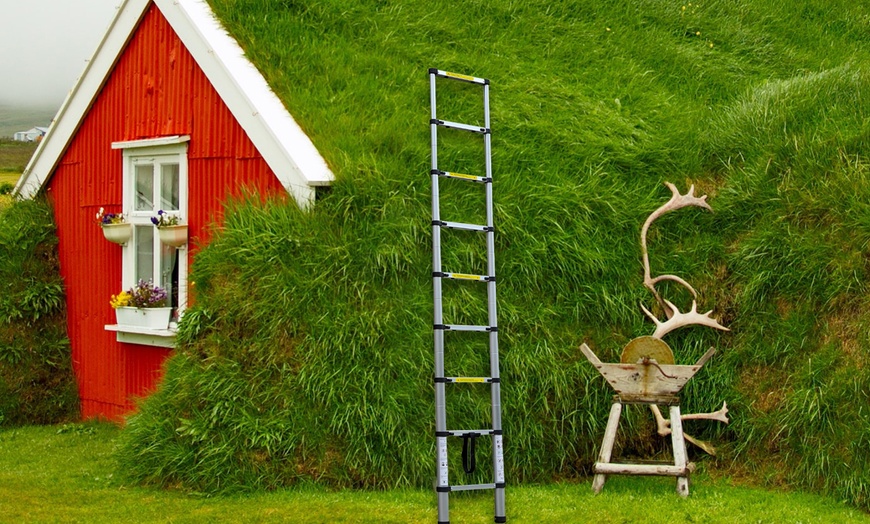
x=45, y=45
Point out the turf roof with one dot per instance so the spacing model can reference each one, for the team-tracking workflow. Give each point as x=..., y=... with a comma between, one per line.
x=308, y=354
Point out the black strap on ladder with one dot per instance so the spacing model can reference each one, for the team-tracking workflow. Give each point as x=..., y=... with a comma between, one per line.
x=469, y=449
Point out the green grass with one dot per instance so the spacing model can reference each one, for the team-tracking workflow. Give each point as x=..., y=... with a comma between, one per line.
x=307, y=356
x=14, y=156
x=13, y=159
x=68, y=473
x=36, y=378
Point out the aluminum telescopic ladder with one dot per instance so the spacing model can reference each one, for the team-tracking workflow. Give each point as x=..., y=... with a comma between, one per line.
x=442, y=433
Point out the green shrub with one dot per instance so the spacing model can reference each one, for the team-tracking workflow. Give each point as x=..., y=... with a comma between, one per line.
x=36, y=380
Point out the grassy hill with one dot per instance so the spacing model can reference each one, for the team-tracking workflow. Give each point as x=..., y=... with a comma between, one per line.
x=14, y=156
x=308, y=354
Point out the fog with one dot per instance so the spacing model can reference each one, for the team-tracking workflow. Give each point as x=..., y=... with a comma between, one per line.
x=45, y=45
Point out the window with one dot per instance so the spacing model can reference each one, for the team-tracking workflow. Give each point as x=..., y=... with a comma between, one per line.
x=155, y=179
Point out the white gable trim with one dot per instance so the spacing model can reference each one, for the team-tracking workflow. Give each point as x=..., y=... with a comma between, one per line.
x=286, y=149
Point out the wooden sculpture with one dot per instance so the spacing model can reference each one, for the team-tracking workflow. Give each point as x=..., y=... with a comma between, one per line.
x=646, y=373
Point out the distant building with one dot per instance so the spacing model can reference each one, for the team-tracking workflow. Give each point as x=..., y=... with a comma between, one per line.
x=31, y=135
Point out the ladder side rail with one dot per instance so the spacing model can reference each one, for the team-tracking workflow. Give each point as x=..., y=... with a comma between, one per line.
x=495, y=391
x=442, y=478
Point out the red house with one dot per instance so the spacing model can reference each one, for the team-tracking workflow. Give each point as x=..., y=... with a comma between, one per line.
x=169, y=115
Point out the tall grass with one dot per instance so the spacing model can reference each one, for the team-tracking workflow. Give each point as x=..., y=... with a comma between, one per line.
x=793, y=155
x=308, y=353
x=36, y=381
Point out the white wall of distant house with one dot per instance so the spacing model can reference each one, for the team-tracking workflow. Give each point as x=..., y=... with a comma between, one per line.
x=31, y=135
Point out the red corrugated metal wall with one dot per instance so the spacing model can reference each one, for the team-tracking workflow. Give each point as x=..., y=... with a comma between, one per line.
x=156, y=89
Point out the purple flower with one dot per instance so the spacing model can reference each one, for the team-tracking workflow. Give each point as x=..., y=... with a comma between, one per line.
x=164, y=219
x=146, y=294
x=109, y=218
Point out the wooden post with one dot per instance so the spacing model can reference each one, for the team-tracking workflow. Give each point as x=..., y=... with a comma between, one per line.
x=679, y=445
x=607, y=445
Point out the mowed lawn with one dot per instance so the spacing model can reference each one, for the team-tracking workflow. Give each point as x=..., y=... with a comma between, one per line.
x=68, y=474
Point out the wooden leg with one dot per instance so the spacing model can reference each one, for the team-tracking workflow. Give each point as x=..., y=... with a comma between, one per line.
x=679, y=444
x=607, y=445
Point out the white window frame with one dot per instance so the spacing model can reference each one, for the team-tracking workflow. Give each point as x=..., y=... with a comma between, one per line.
x=158, y=151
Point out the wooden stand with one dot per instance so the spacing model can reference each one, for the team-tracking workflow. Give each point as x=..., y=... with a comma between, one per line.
x=680, y=469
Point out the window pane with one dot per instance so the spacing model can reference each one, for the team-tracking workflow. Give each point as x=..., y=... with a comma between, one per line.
x=145, y=253
x=169, y=187
x=144, y=187
x=169, y=273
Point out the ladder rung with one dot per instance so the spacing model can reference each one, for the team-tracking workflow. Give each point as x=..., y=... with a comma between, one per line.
x=463, y=276
x=458, y=76
x=462, y=176
x=464, y=127
x=471, y=487
x=463, y=432
x=460, y=225
x=468, y=380
x=458, y=327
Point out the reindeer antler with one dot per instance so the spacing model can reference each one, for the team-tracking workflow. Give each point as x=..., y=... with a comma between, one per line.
x=663, y=425
x=679, y=320
x=677, y=201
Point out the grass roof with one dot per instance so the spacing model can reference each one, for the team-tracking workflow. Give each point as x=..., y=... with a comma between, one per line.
x=308, y=353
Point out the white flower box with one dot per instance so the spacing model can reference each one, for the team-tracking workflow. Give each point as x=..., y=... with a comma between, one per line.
x=175, y=236
x=118, y=233
x=148, y=317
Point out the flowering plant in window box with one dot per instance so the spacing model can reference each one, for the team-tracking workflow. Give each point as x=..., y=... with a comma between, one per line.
x=170, y=229
x=164, y=219
x=114, y=227
x=143, y=305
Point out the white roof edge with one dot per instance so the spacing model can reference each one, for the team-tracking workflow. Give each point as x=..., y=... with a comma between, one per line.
x=284, y=146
